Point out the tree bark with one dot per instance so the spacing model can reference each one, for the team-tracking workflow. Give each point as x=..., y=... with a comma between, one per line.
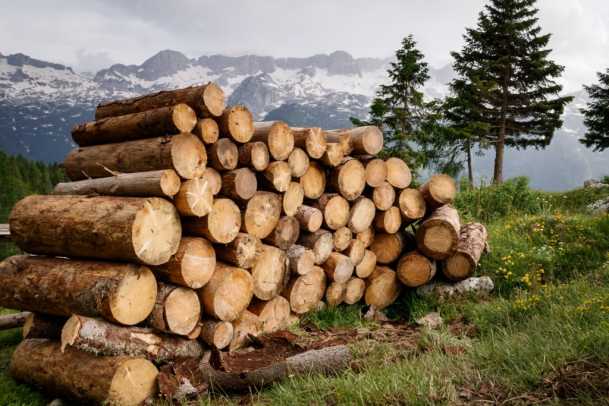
x=362, y=214
x=298, y=162
x=439, y=190
x=269, y=273
x=254, y=155
x=398, y=173
x=354, y=290
x=220, y=226
x=383, y=196
x=13, y=320
x=383, y=288
x=39, y=325
x=262, y=214
x=195, y=198
x=310, y=218
x=472, y=243
x=285, y=234
x=349, y=179
x=320, y=242
x=366, y=140
x=278, y=176
x=238, y=123
x=338, y=267
x=415, y=269
x=242, y=252
x=313, y=181
x=273, y=314
x=301, y=260
x=335, y=293
x=277, y=136
x=376, y=172
x=365, y=268
x=311, y=140
x=192, y=266
x=438, y=235
x=217, y=334
x=412, y=205
x=387, y=247
x=239, y=184
x=228, y=292
x=304, y=292
x=342, y=238
x=293, y=198
x=335, y=210
x=389, y=221
x=207, y=129
x=224, y=155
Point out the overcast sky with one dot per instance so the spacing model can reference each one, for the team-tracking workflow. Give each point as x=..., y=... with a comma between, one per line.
x=92, y=34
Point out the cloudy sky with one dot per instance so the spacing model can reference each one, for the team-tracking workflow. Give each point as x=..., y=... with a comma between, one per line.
x=91, y=34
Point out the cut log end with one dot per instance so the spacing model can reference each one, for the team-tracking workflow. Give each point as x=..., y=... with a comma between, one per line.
x=334, y=154
x=439, y=190
x=182, y=311
x=313, y=181
x=383, y=288
x=170, y=182
x=415, y=269
x=240, y=184
x=278, y=175
x=338, y=267
x=298, y=162
x=207, y=129
x=361, y=215
x=192, y=266
x=398, y=173
x=217, y=334
x=383, y=196
x=459, y=266
x=195, y=198
x=255, y=155
x=214, y=180
x=412, y=205
x=183, y=118
x=387, y=247
x=437, y=236
x=228, y=293
x=242, y=251
x=301, y=259
x=188, y=156
x=224, y=155
x=269, y=273
x=354, y=290
x=305, y=292
x=310, y=218
x=238, y=122
x=335, y=294
x=389, y=221
x=336, y=210
x=350, y=179
x=134, y=298
x=293, y=198
x=273, y=314
x=262, y=214
x=213, y=99
x=156, y=232
x=342, y=238
x=365, y=268
x=376, y=172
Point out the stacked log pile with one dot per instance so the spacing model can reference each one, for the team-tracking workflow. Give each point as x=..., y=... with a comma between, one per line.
x=187, y=226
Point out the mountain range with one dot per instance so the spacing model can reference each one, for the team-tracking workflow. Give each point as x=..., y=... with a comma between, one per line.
x=40, y=101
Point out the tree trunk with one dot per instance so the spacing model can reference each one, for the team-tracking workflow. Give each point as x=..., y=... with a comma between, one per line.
x=320, y=242
x=376, y=172
x=412, y=205
x=207, y=129
x=217, y=334
x=367, y=140
x=192, y=266
x=311, y=140
x=301, y=260
x=278, y=176
x=335, y=293
x=415, y=269
x=387, y=247
x=470, y=169
x=269, y=273
x=206, y=100
x=383, y=288
x=338, y=267
x=228, y=292
x=273, y=315
x=349, y=179
x=383, y=196
x=354, y=290
x=195, y=198
x=304, y=292
x=261, y=214
x=176, y=311
x=183, y=152
x=298, y=162
x=472, y=242
x=239, y=184
x=439, y=190
x=123, y=293
x=365, y=268
x=310, y=218
x=13, y=320
x=238, y=123
x=293, y=198
x=101, y=338
x=224, y=155
x=38, y=325
x=355, y=251
x=254, y=155
x=214, y=180
x=285, y=234
x=335, y=210
x=362, y=214
x=146, y=124
x=389, y=221
x=342, y=238
x=221, y=225
x=334, y=154
x=438, y=235
x=243, y=251
x=366, y=236
x=313, y=181
x=162, y=183
x=246, y=326
x=277, y=136
x=145, y=230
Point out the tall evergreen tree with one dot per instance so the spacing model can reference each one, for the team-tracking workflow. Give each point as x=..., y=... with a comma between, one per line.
x=504, y=67
x=596, y=115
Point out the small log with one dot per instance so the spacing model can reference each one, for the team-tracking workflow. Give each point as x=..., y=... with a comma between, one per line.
x=471, y=287
x=310, y=218
x=298, y=162
x=220, y=226
x=365, y=268
x=196, y=332
x=376, y=172
x=146, y=124
x=383, y=196
x=305, y=291
x=334, y=154
x=293, y=198
x=192, y=266
x=361, y=215
x=285, y=234
x=246, y=326
x=261, y=214
x=383, y=288
x=217, y=334
x=273, y=314
x=414, y=269
x=335, y=293
x=311, y=140
x=214, y=180
x=320, y=242
x=195, y=198
x=228, y=292
x=243, y=251
x=269, y=272
x=238, y=123
x=254, y=155
x=101, y=338
x=335, y=209
x=398, y=173
x=356, y=251
x=349, y=179
x=120, y=292
x=301, y=260
x=438, y=235
x=223, y=155
x=439, y=190
x=239, y=184
x=177, y=310
x=366, y=236
x=338, y=267
x=13, y=320
x=277, y=136
x=342, y=238
x=38, y=325
x=144, y=230
x=366, y=140
x=388, y=221
x=472, y=242
x=313, y=181
x=207, y=129
x=162, y=183
x=81, y=376
x=354, y=290
x=387, y=247
x=278, y=176
x=184, y=153
x=412, y=205
x=206, y=100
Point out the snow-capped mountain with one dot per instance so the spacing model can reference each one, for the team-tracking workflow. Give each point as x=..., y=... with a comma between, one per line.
x=41, y=101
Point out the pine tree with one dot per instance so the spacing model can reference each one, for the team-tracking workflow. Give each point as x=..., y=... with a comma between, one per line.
x=596, y=115
x=504, y=65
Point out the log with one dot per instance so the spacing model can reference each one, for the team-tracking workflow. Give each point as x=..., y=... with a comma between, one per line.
x=305, y=291
x=220, y=226
x=366, y=236
x=217, y=334
x=207, y=129
x=293, y=198
x=313, y=181
x=196, y=332
x=214, y=180
x=248, y=325
x=388, y=221
x=398, y=173
x=273, y=314
x=334, y=154
x=310, y=218
x=195, y=198
x=13, y=320
x=285, y=234
x=242, y=252
x=162, y=183
x=277, y=136
x=383, y=288
x=177, y=310
x=441, y=292
x=39, y=325
x=342, y=238
x=278, y=176
x=376, y=172
x=335, y=293
x=238, y=123
x=356, y=251
x=301, y=260
x=228, y=292
x=472, y=242
x=439, y=190
x=269, y=272
x=438, y=235
x=349, y=179
x=254, y=155
x=120, y=292
x=261, y=214
x=354, y=290
x=335, y=210
x=412, y=205
x=383, y=196
x=387, y=247
x=184, y=153
x=320, y=242
x=81, y=376
x=366, y=140
x=365, y=268
x=415, y=270
x=338, y=267
x=206, y=100
x=192, y=266
x=100, y=338
x=239, y=184
x=298, y=162
x=144, y=230
x=311, y=140
x=224, y=155
x=361, y=215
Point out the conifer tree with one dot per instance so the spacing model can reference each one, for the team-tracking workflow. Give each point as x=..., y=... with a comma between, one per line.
x=596, y=115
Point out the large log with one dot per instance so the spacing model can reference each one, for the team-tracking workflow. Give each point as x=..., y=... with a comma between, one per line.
x=269, y=272
x=224, y=155
x=362, y=214
x=207, y=101
x=246, y=326
x=383, y=288
x=228, y=292
x=301, y=260
x=313, y=181
x=277, y=136
x=183, y=152
x=217, y=334
x=195, y=198
x=293, y=198
x=285, y=234
x=39, y=325
x=304, y=292
x=415, y=269
x=220, y=226
x=398, y=173
x=342, y=238
x=349, y=179
x=335, y=209
x=177, y=310
x=367, y=140
x=356, y=251
x=376, y=172
x=13, y=320
x=438, y=235
x=412, y=205
x=162, y=183
x=365, y=268
x=254, y=155
x=335, y=293
x=278, y=176
x=338, y=267
x=123, y=293
x=99, y=337
x=273, y=314
x=311, y=140
x=158, y=122
x=383, y=196
x=242, y=252
x=472, y=242
x=320, y=242
x=145, y=230
x=354, y=290
x=298, y=162
x=239, y=184
x=192, y=265
x=207, y=129
x=388, y=221
x=310, y=218
x=261, y=214
x=334, y=154
x=439, y=190
x=387, y=247
x=238, y=123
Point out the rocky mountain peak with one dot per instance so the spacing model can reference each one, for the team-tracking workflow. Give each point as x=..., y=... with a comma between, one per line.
x=164, y=63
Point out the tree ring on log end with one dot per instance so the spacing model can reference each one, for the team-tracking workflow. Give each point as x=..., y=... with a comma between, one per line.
x=213, y=99
x=156, y=232
x=134, y=298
